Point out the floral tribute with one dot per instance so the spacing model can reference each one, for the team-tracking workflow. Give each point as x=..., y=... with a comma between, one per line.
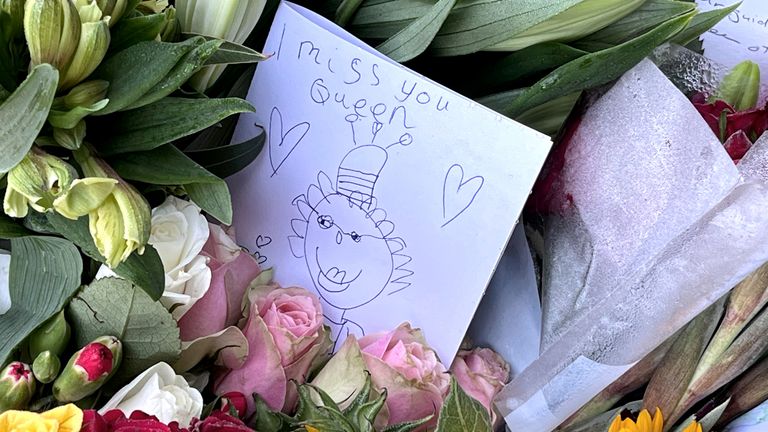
x=127, y=304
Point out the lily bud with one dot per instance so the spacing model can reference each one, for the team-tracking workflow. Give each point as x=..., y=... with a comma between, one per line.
x=741, y=86
x=52, y=336
x=15, y=11
x=70, y=139
x=88, y=369
x=17, y=385
x=36, y=181
x=52, y=30
x=46, y=367
x=91, y=48
x=120, y=225
x=584, y=18
x=113, y=8
x=86, y=94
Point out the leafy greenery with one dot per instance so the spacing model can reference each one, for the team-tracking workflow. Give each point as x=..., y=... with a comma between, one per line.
x=44, y=274
x=114, y=307
x=462, y=413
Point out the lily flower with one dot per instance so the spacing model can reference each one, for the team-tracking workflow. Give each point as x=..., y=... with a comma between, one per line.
x=231, y=20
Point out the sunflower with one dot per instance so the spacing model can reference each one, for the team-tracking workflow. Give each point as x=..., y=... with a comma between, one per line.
x=645, y=423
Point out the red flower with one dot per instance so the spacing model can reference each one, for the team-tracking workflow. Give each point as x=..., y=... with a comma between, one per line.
x=737, y=130
x=219, y=421
x=237, y=401
x=115, y=421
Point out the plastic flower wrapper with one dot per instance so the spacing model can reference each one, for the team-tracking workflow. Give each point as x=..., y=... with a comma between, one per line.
x=651, y=224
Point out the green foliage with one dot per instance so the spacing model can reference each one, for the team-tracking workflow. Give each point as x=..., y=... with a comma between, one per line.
x=150, y=126
x=115, y=307
x=413, y=40
x=23, y=114
x=317, y=410
x=462, y=413
x=44, y=274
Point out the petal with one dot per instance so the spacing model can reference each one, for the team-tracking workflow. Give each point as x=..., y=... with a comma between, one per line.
x=229, y=345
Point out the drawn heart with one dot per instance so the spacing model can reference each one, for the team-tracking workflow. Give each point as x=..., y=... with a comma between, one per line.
x=261, y=259
x=262, y=241
x=458, y=194
x=282, y=143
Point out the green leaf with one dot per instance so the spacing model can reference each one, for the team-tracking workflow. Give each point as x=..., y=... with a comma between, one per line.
x=135, y=70
x=214, y=198
x=9, y=228
x=44, y=274
x=478, y=24
x=23, y=114
x=703, y=22
x=651, y=14
x=346, y=11
x=595, y=69
x=413, y=40
x=112, y=306
x=520, y=65
x=182, y=72
x=167, y=165
x=382, y=19
x=69, y=119
x=229, y=159
x=130, y=31
x=145, y=271
x=230, y=52
x=462, y=413
x=150, y=126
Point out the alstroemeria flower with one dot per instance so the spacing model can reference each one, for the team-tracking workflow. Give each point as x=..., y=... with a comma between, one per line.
x=737, y=130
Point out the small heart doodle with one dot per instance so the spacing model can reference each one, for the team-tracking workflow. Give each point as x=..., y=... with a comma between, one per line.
x=261, y=259
x=458, y=194
x=263, y=241
x=282, y=143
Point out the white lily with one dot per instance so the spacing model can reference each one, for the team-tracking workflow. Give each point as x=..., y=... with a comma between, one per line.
x=232, y=20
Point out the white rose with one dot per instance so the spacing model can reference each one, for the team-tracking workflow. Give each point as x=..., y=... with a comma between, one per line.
x=755, y=420
x=5, y=288
x=179, y=233
x=161, y=393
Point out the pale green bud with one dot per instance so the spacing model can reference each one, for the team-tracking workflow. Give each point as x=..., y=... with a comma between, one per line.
x=40, y=178
x=584, y=18
x=46, y=367
x=113, y=8
x=17, y=386
x=15, y=11
x=52, y=30
x=92, y=47
x=171, y=29
x=52, y=336
x=70, y=139
x=86, y=94
x=741, y=86
x=120, y=225
x=84, y=196
x=88, y=369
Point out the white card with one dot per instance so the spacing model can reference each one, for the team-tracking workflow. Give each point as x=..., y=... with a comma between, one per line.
x=742, y=35
x=387, y=194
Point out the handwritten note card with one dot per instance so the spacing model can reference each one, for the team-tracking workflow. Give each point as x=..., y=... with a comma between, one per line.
x=388, y=195
x=742, y=35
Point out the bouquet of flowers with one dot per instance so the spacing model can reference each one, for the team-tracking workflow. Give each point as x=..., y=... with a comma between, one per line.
x=127, y=303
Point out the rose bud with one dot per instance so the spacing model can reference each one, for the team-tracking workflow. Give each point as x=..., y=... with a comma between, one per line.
x=17, y=385
x=52, y=336
x=234, y=401
x=88, y=369
x=46, y=367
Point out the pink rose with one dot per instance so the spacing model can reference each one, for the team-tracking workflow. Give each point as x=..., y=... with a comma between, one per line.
x=286, y=336
x=399, y=361
x=481, y=373
x=232, y=270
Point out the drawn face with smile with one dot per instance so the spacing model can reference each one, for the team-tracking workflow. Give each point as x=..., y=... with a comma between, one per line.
x=347, y=253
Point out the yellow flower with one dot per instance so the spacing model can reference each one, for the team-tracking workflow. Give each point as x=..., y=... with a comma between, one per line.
x=645, y=423
x=67, y=418
x=311, y=429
